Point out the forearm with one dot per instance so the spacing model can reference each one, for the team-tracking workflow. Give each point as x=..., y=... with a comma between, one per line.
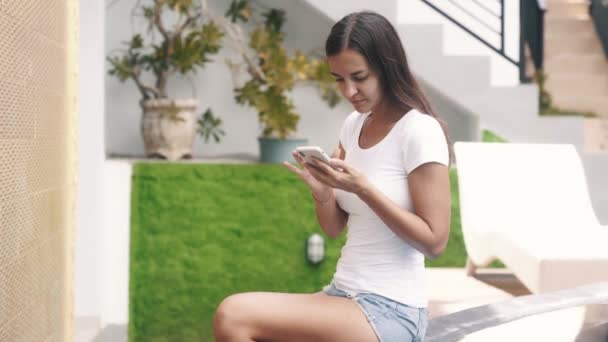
x=331, y=217
x=405, y=224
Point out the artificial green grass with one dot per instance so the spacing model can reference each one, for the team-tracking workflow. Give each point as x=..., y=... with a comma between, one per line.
x=455, y=254
x=202, y=232
x=489, y=136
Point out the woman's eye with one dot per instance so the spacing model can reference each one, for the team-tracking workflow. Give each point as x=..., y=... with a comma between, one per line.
x=339, y=80
x=360, y=79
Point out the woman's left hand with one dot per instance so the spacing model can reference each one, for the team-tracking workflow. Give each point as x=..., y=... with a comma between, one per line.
x=339, y=175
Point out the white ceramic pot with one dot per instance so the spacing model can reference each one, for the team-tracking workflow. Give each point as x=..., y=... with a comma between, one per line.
x=168, y=128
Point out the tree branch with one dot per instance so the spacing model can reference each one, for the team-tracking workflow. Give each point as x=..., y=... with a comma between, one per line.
x=189, y=20
x=237, y=37
x=161, y=81
x=158, y=20
x=144, y=89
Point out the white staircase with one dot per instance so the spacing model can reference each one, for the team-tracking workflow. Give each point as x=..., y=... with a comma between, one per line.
x=462, y=84
x=574, y=58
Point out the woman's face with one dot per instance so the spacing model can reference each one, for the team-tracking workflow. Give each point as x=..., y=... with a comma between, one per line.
x=357, y=82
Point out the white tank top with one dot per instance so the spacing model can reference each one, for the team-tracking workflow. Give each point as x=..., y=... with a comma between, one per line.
x=374, y=259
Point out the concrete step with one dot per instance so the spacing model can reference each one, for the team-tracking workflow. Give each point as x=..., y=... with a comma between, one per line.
x=596, y=134
x=588, y=43
x=522, y=102
x=554, y=2
x=588, y=63
x=450, y=74
x=456, y=74
x=567, y=9
x=577, y=85
x=568, y=26
x=422, y=37
x=338, y=9
x=539, y=129
x=597, y=104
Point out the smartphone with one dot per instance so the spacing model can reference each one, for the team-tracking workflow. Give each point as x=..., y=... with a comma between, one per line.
x=309, y=152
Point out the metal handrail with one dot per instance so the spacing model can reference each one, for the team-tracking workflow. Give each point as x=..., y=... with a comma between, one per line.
x=500, y=32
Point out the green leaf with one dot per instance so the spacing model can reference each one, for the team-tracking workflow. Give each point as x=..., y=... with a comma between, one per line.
x=137, y=42
x=259, y=39
x=148, y=12
x=122, y=67
x=182, y=6
x=248, y=93
x=275, y=18
x=210, y=126
x=239, y=10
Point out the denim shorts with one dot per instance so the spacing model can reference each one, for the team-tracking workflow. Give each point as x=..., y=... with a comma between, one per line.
x=390, y=320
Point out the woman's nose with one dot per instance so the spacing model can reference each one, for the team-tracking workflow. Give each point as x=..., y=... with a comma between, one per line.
x=349, y=89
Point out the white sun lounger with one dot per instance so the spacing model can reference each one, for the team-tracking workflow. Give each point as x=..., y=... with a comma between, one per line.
x=528, y=206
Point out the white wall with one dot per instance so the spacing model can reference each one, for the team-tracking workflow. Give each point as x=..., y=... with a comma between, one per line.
x=458, y=42
x=102, y=243
x=114, y=244
x=90, y=158
x=213, y=87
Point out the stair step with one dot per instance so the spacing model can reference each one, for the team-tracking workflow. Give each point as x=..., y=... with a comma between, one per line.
x=596, y=134
x=522, y=103
x=584, y=42
x=578, y=85
x=593, y=63
x=422, y=37
x=568, y=9
x=336, y=10
x=568, y=26
x=597, y=104
x=558, y=2
x=456, y=74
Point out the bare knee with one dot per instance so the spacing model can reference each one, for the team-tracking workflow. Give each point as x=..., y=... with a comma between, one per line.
x=230, y=322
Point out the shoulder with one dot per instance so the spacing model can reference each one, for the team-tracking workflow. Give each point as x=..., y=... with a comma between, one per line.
x=419, y=126
x=423, y=140
x=416, y=121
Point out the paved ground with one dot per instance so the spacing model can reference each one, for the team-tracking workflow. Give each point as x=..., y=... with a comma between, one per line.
x=451, y=290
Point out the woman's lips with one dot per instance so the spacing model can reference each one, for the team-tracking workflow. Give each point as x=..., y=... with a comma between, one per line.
x=357, y=102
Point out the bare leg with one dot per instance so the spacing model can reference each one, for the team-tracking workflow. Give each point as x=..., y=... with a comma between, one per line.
x=265, y=316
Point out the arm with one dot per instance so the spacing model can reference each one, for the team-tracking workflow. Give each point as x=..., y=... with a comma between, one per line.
x=428, y=227
x=330, y=216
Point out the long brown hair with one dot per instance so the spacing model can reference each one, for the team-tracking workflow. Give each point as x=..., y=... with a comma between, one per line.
x=375, y=38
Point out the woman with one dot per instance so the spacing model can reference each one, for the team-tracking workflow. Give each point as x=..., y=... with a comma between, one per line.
x=388, y=183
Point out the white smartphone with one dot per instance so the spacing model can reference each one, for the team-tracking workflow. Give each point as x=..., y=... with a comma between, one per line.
x=309, y=152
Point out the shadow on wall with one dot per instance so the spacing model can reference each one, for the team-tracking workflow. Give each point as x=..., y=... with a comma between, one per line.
x=112, y=333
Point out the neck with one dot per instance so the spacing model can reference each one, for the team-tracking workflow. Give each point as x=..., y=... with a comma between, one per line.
x=387, y=113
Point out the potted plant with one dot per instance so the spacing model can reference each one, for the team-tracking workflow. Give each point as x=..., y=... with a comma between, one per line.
x=273, y=73
x=168, y=124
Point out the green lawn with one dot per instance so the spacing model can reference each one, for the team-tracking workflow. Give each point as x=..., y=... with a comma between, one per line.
x=202, y=232
x=489, y=136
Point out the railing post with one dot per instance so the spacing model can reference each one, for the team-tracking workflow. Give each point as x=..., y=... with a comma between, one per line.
x=502, y=26
x=522, y=40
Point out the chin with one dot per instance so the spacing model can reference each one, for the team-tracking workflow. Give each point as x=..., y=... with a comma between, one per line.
x=362, y=108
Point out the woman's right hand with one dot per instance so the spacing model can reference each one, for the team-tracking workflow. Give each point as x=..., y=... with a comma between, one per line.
x=319, y=190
